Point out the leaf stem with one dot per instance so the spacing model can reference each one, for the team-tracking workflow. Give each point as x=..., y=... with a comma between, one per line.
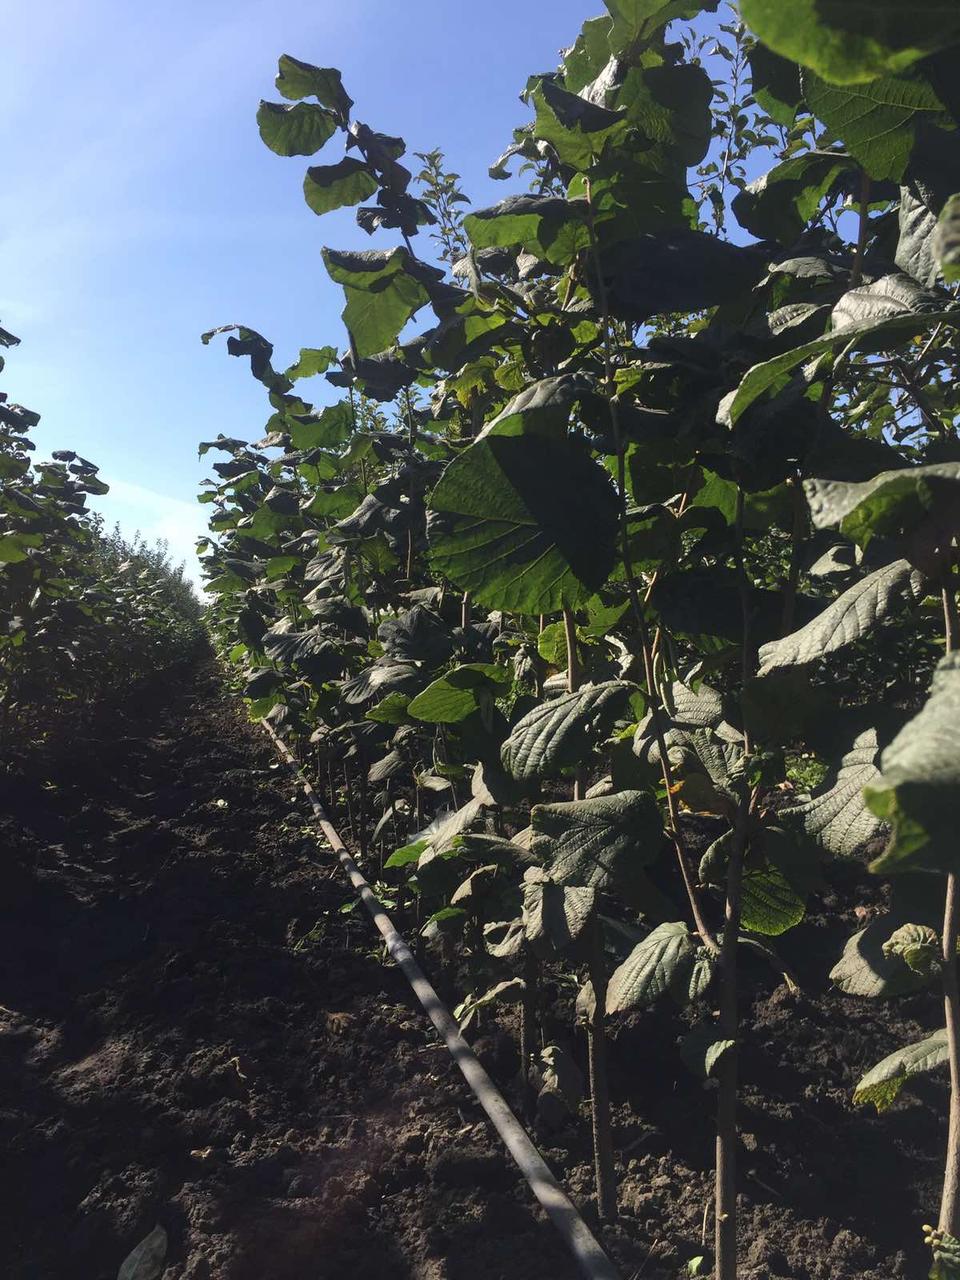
x=856, y=271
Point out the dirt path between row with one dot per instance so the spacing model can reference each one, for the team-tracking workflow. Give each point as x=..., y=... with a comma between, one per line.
x=193, y=1034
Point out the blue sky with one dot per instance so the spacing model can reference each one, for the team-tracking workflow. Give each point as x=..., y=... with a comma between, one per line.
x=139, y=206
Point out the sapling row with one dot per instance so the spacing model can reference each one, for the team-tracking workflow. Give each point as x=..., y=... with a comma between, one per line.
x=646, y=506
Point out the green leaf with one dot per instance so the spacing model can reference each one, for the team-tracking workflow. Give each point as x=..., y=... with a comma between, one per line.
x=637, y=21
x=313, y=360
x=770, y=903
x=597, y=842
x=542, y=409
x=331, y=426
x=876, y=120
x=458, y=694
x=390, y=710
x=838, y=819
x=702, y=1049
x=299, y=130
x=147, y=1259
x=525, y=524
x=849, y=618
x=382, y=294
x=773, y=375
x=866, y=970
x=946, y=240
x=578, y=130
x=653, y=967
x=296, y=79
x=553, y=915
x=883, y=1082
x=778, y=205
x=918, y=945
x=852, y=41
x=918, y=791
x=558, y=733
x=775, y=83
x=331, y=186
x=546, y=226
x=892, y=503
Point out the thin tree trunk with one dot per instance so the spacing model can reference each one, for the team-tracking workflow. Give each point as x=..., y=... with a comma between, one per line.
x=605, y=1174
x=725, y=1191
x=573, y=684
x=950, y=1200
x=528, y=1030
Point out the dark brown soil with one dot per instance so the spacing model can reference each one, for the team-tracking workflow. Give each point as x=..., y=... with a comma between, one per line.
x=193, y=1034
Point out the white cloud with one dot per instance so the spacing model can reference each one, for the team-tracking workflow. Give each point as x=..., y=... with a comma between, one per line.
x=155, y=516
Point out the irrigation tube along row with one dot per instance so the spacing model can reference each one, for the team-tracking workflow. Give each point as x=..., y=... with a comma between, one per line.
x=578, y=1237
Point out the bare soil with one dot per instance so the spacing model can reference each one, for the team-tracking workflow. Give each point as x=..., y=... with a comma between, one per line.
x=193, y=1034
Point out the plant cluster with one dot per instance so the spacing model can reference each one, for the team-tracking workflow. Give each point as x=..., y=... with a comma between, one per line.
x=82, y=611
x=660, y=496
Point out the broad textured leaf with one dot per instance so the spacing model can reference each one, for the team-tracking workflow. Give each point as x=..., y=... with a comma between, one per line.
x=382, y=294
x=637, y=21
x=702, y=707
x=313, y=360
x=865, y=969
x=851, y=41
x=838, y=819
x=918, y=945
x=300, y=130
x=770, y=903
x=778, y=205
x=331, y=186
x=883, y=1082
x=458, y=694
x=577, y=130
x=296, y=80
x=775, y=83
x=559, y=733
x=598, y=842
x=146, y=1262
x=876, y=120
x=915, y=244
x=702, y=1049
x=773, y=375
x=546, y=226
x=892, y=503
x=946, y=240
x=542, y=409
x=889, y=297
x=653, y=967
x=554, y=915
x=918, y=791
x=525, y=524
x=849, y=618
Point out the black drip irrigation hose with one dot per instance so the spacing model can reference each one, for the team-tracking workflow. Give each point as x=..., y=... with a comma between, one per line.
x=577, y=1236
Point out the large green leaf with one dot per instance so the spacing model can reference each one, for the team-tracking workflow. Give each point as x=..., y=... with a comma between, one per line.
x=852, y=41
x=558, y=733
x=918, y=791
x=525, y=524
x=779, y=204
x=883, y=1082
x=296, y=80
x=876, y=121
x=892, y=503
x=770, y=902
x=459, y=693
x=331, y=186
x=554, y=915
x=946, y=240
x=773, y=375
x=546, y=226
x=578, y=130
x=838, y=819
x=637, y=21
x=865, y=969
x=847, y=619
x=382, y=294
x=659, y=963
x=299, y=130
x=598, y=842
